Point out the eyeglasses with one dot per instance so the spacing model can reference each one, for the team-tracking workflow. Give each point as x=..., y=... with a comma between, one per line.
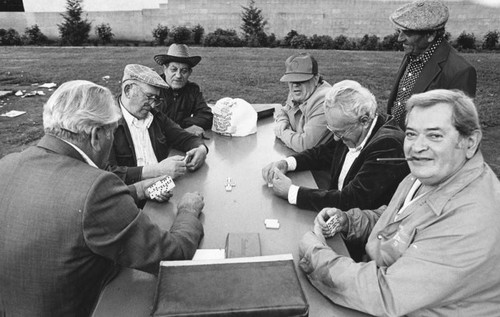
x=153, y=100
x=342, y=135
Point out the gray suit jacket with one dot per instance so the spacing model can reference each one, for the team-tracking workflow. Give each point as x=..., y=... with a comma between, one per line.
x=64, y=226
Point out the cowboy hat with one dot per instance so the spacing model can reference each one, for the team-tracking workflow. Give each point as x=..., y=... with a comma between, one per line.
x=177, y=53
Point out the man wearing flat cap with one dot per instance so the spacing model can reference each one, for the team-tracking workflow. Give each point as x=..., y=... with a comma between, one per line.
x=144, y=136
x=430, y=61
x=301, y=122
x=183, y=100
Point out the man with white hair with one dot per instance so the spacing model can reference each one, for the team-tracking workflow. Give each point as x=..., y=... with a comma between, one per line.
x=433, y=251
x=361, y=137
x=145, y=136
x=66, y=224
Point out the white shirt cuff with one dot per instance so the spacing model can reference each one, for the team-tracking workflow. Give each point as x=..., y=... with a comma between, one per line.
x=292, y=194
x=292, y=163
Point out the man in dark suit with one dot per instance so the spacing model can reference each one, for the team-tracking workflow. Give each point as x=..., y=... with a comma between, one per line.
x=66, y=225
x=357, y=178
x=430, y=61
x=361, y=136
x=145, y=136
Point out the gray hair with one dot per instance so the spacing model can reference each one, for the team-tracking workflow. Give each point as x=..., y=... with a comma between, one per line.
x=353, y=99
x=464, y=115
x=78, y=106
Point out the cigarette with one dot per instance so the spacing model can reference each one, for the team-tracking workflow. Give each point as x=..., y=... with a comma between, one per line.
x=387, y=159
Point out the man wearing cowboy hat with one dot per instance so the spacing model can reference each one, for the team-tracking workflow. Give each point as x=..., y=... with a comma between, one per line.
x=144, y=136
x=430, y=61
x=183, y=100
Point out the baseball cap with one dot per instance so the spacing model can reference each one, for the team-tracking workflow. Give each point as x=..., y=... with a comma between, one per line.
x=300, y=67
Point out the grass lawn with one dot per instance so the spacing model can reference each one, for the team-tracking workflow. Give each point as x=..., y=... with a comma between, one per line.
x=249, y=73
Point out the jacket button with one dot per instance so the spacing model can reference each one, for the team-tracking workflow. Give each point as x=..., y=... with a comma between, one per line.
x=379, y=237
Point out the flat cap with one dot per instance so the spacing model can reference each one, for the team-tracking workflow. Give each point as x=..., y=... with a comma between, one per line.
x=421, y=15
x=144, y=75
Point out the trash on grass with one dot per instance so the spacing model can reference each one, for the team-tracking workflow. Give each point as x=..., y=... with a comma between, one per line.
x=4, y=93
x=48, y=85
x=12, y=113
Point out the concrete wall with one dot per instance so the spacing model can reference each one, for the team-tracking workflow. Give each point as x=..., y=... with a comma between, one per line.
x=352, y=18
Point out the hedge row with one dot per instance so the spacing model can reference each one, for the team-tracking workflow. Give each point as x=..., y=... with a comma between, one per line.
x=229, y=38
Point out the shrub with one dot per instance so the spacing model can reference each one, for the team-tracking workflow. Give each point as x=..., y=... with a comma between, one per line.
x=324, y=42
x=256, y=40
x=272, y=41
x=288, y=38
x=33, y=36
x=74, y=30
x=300, y=41
x=368, y=43
x=103, y=32
x=198, y=32
x=341, y=42
x=390, y=43
x=466, y=41
x=223, y=38
x=160, y=34
x=10, y=37
x=491, y=40
x=180, y=35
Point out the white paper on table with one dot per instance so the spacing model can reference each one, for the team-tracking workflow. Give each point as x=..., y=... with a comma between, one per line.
x=12, y=113
x=209, y=254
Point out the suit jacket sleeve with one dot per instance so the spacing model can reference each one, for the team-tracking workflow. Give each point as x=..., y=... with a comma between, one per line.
x=177, y=136
x=202, y=115
x=116, y=229
x=318, y=157
x=465, y=79
x=371, y=185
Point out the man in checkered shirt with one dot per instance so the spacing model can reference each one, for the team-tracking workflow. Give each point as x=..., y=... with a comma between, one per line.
x=430, y=61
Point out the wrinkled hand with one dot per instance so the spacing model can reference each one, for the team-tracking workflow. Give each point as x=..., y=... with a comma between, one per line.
x=142, y=193
x=320, y=225
x=191, y=202
x=268, y=170
x=281, y=184
x=173, y=166
x=194, y=129
x=195, y=157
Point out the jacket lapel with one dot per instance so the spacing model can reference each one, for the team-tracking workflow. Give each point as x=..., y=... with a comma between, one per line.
x=122, y=124
x=431, y=69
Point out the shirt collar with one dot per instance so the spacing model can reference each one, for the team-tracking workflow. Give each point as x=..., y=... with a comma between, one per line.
x=85, y=156
x=362, y=145
x=424, y=57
